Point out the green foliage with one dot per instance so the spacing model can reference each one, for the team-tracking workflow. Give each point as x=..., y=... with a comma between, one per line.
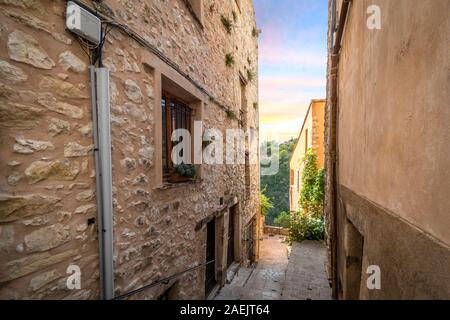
x=229, y=59
x=266, y=205
x=277, y=186
x=255, y=105
x=312, y=193
x=319, y=188
x=234, y=15
x=303, y=226
x=230, y=113
x=255, y=32
x=308, y=223
x=227, y=24
x=283, y=220
x=250, y=75
x=186, y=170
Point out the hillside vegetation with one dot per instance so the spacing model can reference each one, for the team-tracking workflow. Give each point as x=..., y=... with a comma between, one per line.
x=276, y=187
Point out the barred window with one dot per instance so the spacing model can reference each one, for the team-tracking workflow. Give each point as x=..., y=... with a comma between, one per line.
x=175, y=115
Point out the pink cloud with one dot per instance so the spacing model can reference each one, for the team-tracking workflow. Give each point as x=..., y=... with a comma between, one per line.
x=280, y=82
x=290, y=89
x=286, y=57
x=283, y=110
x=279, y=52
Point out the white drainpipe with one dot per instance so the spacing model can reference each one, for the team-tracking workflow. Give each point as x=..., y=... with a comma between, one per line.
x=101, y=127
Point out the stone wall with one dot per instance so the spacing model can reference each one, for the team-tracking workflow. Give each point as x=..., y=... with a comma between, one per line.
x=47, y=183
x=275, y=230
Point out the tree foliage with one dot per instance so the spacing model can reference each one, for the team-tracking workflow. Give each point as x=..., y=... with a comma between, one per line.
x=266, y=205
x=277, y=186
x=303, y=226
x=283, y=220
x=308, y=222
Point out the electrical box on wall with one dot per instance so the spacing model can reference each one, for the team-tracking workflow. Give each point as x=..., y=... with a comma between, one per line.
x=83, y=23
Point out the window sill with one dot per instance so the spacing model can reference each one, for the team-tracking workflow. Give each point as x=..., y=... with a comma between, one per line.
x=169, y=185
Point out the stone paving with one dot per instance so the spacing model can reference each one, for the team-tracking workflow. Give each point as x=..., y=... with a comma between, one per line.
x=282, y=273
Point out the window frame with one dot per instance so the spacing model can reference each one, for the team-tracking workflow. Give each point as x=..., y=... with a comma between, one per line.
x=306, y=140
x=196, y=10
x=167, y=78
x=169, y=175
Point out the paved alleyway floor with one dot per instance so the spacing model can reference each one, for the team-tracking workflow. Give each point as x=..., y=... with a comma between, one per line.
x=282, y=275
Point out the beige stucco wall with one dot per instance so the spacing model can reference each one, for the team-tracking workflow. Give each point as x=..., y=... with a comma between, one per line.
x=47, y=180
x=392, y=160
x=394, y=92
x=311, y=136
x=318, y=131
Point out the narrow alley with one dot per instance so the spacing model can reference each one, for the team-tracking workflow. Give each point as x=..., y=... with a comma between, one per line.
x=282, y=273
x=244, y=150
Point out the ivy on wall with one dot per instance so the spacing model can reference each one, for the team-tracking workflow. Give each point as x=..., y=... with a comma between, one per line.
x=312, y=193
x=308, y=222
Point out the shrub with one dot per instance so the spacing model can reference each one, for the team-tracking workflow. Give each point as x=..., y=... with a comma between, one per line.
x=230, y=114
x=283, y=220
x=227, y=24
x=229, y=59
x=303, y=226
x=266, y=204
x=186, y=170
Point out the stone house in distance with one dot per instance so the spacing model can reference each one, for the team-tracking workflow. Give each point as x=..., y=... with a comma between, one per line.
x=169, y=62
x=311, y=137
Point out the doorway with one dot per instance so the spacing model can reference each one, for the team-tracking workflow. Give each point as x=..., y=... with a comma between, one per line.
x=170, y=293
x=231, y=236
x=354, y=247
x=210, y=270
x=251, y=240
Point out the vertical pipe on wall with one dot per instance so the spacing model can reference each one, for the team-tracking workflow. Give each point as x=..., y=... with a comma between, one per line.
x=97, y=177
x=104, y=139
x=333, y=21
x=333, y=146
x=102, y=147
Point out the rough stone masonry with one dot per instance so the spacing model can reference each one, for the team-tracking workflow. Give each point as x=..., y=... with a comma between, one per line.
x=47, y=168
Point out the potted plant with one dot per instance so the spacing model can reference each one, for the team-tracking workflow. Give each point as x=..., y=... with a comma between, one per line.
x=182, y=173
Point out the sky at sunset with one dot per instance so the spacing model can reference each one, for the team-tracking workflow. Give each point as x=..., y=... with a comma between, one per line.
x=292, y=62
